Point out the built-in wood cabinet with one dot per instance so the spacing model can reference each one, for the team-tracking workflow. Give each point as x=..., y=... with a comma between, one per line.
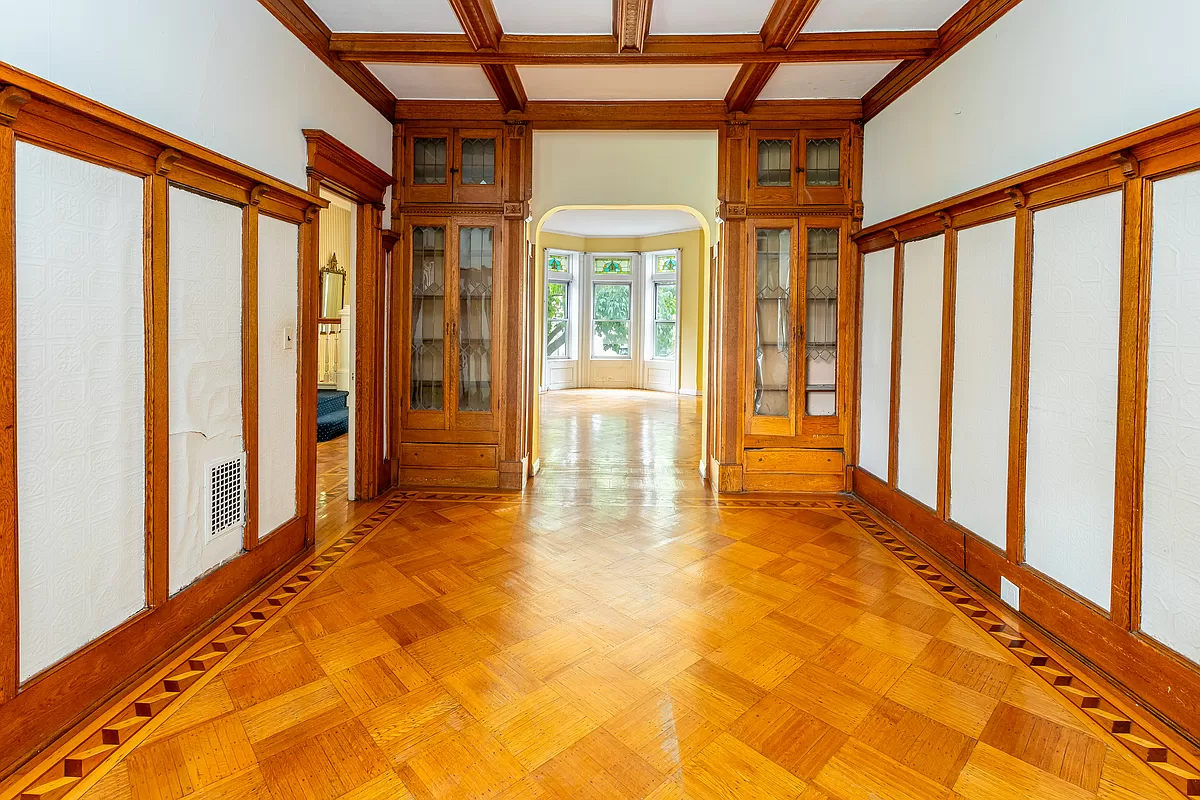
x=799, y=167
x=453, y=165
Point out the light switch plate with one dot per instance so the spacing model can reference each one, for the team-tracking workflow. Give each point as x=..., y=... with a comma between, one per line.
x=289, y=338
x=1010, y=593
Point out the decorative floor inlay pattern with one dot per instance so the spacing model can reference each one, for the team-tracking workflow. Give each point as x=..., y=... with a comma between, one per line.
x=124, y=727
x=1143, y=744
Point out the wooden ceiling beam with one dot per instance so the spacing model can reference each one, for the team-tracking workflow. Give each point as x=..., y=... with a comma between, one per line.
x=306, y=26
x=631, y=24
x=971, y=20
x=779, y=32
x=484, y=33
x=582, y=50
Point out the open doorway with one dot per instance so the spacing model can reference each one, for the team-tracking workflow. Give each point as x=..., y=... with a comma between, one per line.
x=335, y=350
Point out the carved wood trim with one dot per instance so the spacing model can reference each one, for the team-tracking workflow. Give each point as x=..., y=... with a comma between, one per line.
x=12, y=99
x=1017, y=196
x=631, y=24
x=166, y=161
x=1128, y=163
x=335, y=163
x=627, y=115
x=258, y=193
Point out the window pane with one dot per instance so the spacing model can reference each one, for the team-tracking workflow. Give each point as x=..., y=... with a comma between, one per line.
x=556, y=339
x=428, y=317
x=772, y=301
x=612, y=266
x=666, y=302
x=612, y=301
x=823, y=166
x=664, y=339
x=474, y=319
x=556, y=263
x=775, y=162
x=429, y=161
x=556, y=301
x=666, y=263
x=610, y=339
x=479, y=161
x=821, y=315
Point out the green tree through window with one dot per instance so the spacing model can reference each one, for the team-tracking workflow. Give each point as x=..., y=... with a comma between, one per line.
x=611, y=317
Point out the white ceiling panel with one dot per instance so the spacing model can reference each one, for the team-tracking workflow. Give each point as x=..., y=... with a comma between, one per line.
x=620, y=222
x=434, y=81
x=881, y=15
x=708, y=16
x=843, y=80
x=566, y=17
x=628, y=83
x=387, y=16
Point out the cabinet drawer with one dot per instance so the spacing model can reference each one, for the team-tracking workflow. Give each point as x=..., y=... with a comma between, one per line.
x=787, y=482
x=448, y=455
x=795, y=461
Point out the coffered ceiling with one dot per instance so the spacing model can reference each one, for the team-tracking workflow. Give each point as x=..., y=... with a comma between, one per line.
x=516, y=52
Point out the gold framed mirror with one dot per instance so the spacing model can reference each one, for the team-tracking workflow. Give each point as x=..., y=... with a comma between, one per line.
x=333, y=288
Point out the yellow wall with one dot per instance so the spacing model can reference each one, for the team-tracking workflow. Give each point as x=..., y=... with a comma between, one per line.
x=691, y=282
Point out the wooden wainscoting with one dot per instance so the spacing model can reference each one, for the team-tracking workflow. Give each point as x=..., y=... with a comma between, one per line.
x=42, y=114
x=1112, y=641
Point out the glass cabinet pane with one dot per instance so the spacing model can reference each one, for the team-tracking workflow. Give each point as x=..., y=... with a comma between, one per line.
x=775, y=162
x=772, y=321
x=427, y=366
x=479, y=162
x=429, y=161
x=821, y=324
x=475, y=319
x=823, y=164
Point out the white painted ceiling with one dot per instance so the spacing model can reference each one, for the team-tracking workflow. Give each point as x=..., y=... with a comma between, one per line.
x=565, y=17
x=387, y=16
x=881, y=15
x=708, y=16
x=675, y=82
x=434, y=81
x=620, y=222
x=843, y=80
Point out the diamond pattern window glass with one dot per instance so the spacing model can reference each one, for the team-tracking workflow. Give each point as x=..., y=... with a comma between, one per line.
x=429, y=161
x=1171, y=504
x=426, y=362
x=479, y=162
x=823, y=163
x=775, y=162
x=821, y=328
x=475, y=319
x=80, y=403
x=612, y=266
x=773, y=276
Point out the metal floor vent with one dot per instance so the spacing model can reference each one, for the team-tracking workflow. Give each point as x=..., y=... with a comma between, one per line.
x=225, y=493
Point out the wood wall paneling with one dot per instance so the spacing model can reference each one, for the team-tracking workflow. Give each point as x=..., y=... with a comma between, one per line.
x=250, y=369
x=1146, y=671
x=59, y=120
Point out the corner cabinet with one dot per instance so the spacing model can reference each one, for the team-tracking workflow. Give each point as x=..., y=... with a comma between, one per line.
x=451, y=290
x=797, y=371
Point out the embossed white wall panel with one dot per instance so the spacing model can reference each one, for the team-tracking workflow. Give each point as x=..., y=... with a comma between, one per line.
x=81, y=482
x=1071, y=453
x=205, y=353
x=278, y=307
x=982, y=379
x=875, y=399
x=921, y=369
x=1171, y=510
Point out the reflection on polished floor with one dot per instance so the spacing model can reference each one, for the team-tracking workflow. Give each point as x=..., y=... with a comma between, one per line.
x=617, y=634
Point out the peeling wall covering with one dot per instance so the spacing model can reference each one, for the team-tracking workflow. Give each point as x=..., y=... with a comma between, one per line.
x=278, y=309
x=80, y=403
x=205, y=346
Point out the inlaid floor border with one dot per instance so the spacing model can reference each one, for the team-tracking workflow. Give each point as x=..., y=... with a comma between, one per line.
x=75, y=766
x=1169, y=767
x=723, y=501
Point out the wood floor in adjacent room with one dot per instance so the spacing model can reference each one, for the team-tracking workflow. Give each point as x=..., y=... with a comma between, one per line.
x=617, y=634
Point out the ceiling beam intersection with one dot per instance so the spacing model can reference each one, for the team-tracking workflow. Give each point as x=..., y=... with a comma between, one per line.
x=482, y=27
x=780, y=30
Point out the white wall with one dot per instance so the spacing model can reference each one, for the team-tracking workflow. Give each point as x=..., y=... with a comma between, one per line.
x=205, y=370
x=1070, y=467
x=1050, y=78
x=921, y=369
x=979, y=421
x=875, y=391
x=222, y=73
x=1171, y=507
x=81, y=449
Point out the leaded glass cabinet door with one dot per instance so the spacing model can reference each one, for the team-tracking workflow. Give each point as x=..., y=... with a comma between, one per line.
x=822, y=250
x=429, y=155
x=477, y=171
x=774, y=167
x=429, y=323
x=472, y=327
x=771, y=402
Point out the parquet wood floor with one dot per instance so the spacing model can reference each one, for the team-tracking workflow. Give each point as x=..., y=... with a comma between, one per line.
x=616, y=634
